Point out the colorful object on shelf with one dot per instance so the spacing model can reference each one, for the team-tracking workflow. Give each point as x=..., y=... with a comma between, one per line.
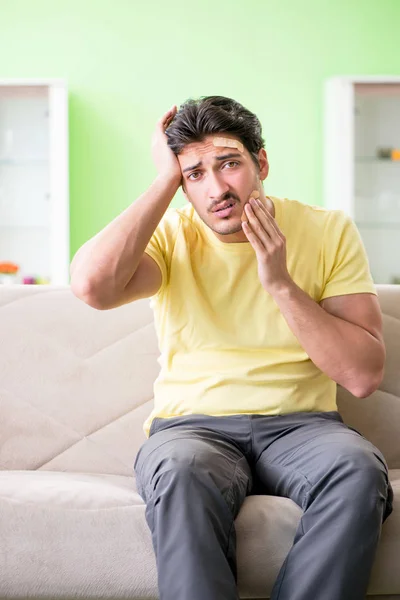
x=8, y=274
x=31, y=280
x=8, y=268
x=28, y=280
x=390, y=153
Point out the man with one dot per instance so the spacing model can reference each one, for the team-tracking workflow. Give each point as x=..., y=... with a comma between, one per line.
x=262, y=306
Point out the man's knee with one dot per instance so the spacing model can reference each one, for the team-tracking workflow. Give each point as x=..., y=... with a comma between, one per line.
x=361, y=473
x=179, y=463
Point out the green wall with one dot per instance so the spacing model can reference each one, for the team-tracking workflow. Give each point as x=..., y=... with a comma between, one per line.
x=127, y=62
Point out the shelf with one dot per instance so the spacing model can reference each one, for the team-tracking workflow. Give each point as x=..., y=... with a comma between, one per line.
x=375, y=160
x=5, y=162
x=372, y=225
x=25, y=226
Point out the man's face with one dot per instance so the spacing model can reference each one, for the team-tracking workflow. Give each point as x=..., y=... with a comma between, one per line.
x=213, y=175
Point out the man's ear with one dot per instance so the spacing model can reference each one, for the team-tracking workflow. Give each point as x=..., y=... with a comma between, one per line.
x=264, y=164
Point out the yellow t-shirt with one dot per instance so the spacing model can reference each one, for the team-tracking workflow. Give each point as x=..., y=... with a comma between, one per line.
x=225, y=346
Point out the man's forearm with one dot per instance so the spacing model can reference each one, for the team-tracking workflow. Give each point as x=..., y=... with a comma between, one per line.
x=344, y=351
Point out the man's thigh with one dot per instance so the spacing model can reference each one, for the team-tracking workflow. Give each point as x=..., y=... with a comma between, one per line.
x=205, y=453
x=297, y=454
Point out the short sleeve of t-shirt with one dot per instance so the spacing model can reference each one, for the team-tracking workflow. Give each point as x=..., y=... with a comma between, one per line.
x=161, y=244
x=345, y=259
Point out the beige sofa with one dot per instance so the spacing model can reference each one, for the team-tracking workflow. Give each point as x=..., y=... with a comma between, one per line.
x=75, y=388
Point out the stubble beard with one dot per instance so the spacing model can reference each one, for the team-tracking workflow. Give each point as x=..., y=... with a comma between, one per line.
x=227, y=229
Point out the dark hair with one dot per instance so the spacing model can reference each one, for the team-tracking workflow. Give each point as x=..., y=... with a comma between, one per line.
x=198, y=118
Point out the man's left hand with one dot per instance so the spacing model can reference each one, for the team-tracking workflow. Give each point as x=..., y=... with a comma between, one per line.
x=269, y=244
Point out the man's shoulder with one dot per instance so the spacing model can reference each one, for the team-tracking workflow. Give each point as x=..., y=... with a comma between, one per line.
x=292, y=205
x=172, y=222
x=296, y=211
x=178, y=224
x=176, y=217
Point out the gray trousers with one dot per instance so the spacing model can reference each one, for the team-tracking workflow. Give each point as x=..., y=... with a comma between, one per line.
x=194, y=472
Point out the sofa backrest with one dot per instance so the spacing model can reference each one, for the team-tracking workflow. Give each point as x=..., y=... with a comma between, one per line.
x=76, y=384
x=378, y=416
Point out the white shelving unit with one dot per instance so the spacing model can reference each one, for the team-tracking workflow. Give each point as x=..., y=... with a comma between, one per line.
x=362, y=117
x=34, y=187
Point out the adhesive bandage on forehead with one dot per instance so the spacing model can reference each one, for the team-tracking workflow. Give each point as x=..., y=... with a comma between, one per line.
x=228, y=143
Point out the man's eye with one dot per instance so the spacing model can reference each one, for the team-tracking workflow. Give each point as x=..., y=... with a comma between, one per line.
x=192, y=178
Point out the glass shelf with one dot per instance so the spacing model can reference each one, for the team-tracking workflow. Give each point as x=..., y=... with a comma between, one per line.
x=25, y=226
x=9, y=162
x=372, y=225
x=376, y=160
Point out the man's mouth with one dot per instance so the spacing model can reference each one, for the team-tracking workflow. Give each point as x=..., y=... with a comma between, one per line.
x=224, y=210
x=223, y=206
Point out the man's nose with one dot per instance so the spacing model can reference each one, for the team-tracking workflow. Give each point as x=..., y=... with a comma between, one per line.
x=217, y=186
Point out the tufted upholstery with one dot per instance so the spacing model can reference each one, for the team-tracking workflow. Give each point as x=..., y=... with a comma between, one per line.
x=75, y=388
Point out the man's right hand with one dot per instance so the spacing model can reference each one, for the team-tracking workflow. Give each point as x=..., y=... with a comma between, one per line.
x=165, y=160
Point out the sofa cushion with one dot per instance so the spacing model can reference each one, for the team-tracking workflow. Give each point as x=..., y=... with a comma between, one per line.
x=71, y=533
